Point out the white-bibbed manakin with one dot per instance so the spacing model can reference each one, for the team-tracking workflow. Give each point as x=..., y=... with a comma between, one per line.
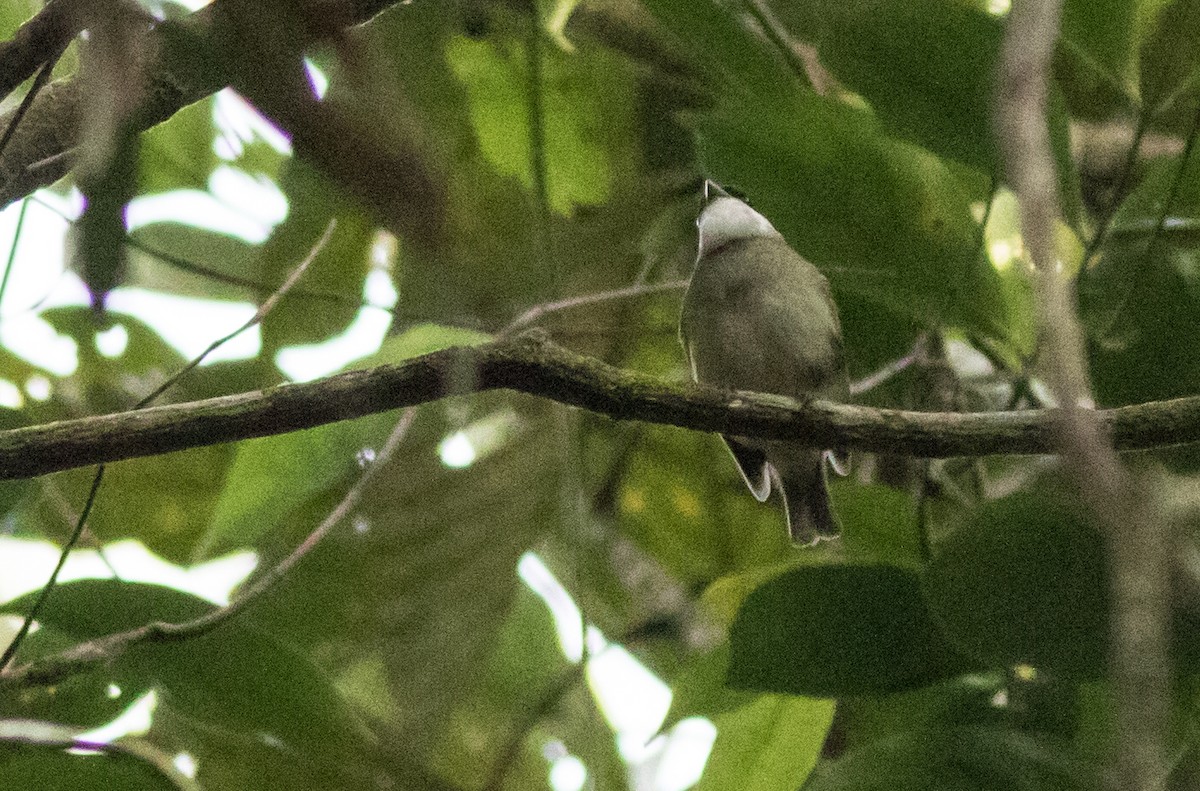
x=758, y=316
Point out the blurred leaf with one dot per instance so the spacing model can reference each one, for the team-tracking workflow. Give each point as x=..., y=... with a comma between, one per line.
x=236, y=677
x=227, y=760
x=524, y=681
x=576, y=109
x=970, y=733
x=701, y=525
x=700, y=690
x=186, y=249
x=1103, y=33
x=964, y=759
x=178, y=154
x=15, y=13
x=822, y=172
x=272, y=475
x=340, y=268
x=54, y=769
x=734, y=59
x=830, y=631
x=879, y=524
x=1170, y=63
x=1023, y=582
x=927, y=68
x=86, y=700
x=425, y=568
x=770, y=744
x=1141, y=302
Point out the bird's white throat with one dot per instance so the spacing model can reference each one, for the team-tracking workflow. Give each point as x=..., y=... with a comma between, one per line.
x=729, y=219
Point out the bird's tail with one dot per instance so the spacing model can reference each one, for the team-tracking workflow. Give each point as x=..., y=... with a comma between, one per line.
x=806, y=501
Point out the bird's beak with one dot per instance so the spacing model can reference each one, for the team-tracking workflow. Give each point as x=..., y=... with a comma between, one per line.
x=712, y=191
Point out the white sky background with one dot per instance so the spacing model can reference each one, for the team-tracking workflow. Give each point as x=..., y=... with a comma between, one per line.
x=632, y=699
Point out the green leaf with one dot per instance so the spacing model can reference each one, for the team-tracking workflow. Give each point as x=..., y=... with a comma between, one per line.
x=1141, y=302
x=578, y=104
x=1023, y=582
x=926, y=66
x=734, y=60
x=831, y=631
x=426, y=568
x=338, y=269
x=183, y=246
x=770, y=744
x=1170, y=62
x=236, y=677
x=701, y=526
x=272, y=475
x=54, y=769
x=700, y=690
x=822, y=173
x=1103, y=35
x=178, y=154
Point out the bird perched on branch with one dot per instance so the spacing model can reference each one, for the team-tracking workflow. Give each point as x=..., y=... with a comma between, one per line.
x=758, y=316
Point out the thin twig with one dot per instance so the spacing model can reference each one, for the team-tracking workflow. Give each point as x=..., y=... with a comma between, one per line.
x=266, y=307
x=27, y=101
x=779, y=37
x=546, y=308
x=1160, y=224
x=884, y=373
x=12, y=251
x=206, y=623
x=11, y=650
x=1139, y=132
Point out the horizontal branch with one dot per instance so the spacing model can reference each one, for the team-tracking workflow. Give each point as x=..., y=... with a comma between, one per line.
x=531, y=363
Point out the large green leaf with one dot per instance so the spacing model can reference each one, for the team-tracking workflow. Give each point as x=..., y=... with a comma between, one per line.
x=885, y=220
x=425, y=568
x=1170, y=62
x=1141, y=303
x=236, y=678
x=770, y=744
x=830, y=631
x=339, y=268
x=273, y=475
x=1023, y=582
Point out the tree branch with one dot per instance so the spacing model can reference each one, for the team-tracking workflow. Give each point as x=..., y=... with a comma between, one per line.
x=37, y=42
x=531, y=363
x=1138, y=541
x=40, y=152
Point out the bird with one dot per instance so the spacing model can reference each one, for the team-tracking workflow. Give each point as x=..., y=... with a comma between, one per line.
x=758, y=316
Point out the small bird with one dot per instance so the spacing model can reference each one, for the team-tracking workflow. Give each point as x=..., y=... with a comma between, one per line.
x=758, y=316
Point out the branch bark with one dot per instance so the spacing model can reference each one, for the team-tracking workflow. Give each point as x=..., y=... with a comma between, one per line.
x=1138, y=541
x=41, y=151
x=531, y=363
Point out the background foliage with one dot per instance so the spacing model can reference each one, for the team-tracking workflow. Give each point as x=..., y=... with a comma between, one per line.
x=960, y=624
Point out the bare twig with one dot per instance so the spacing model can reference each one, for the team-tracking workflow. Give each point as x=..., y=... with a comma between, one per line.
x=1137, y=543
x=637, y=290
x=884, y=373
